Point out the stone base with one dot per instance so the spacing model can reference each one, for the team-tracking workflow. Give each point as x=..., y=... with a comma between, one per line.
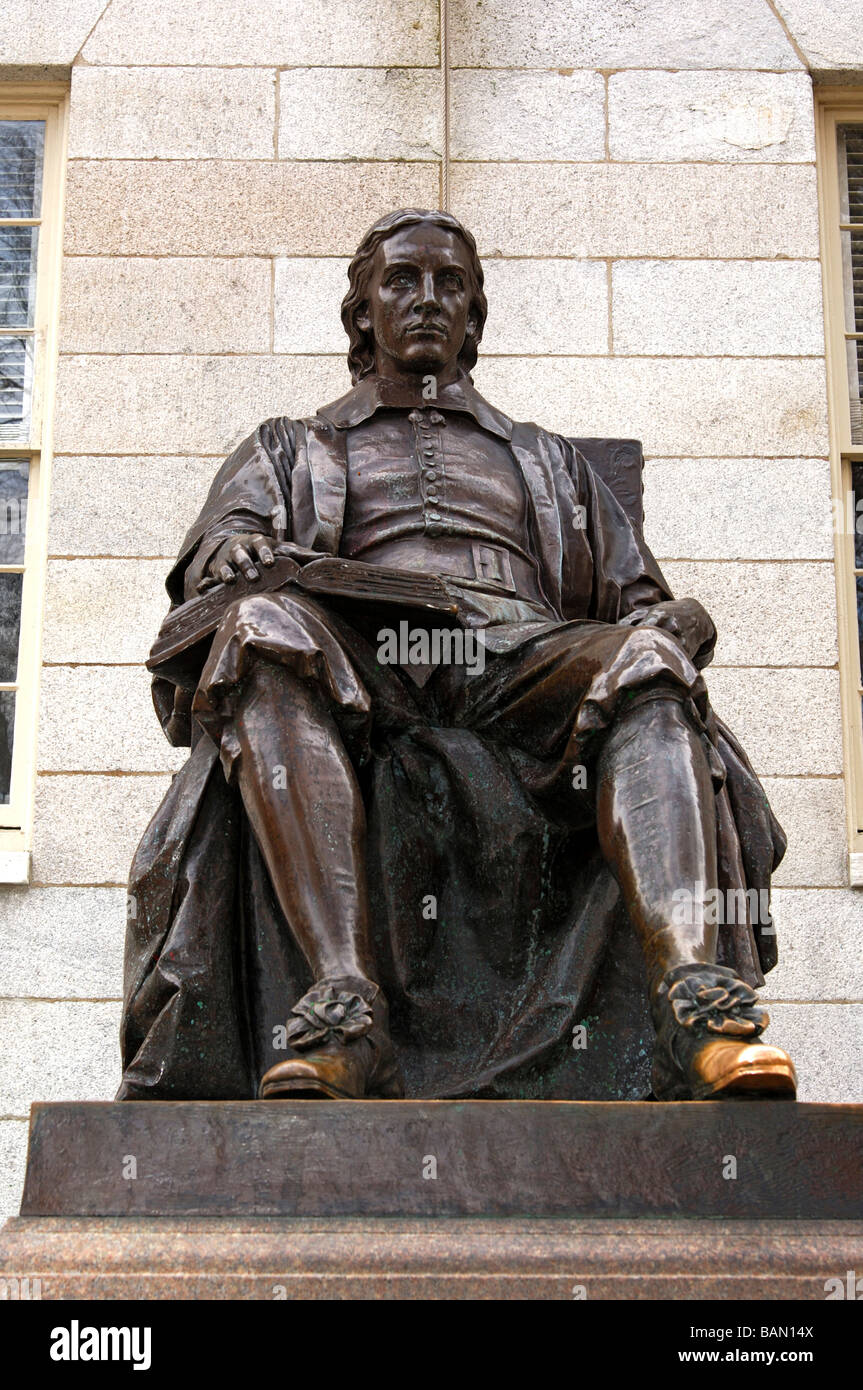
x=427, y=1258
x=746, y=1160
x=417, y=1200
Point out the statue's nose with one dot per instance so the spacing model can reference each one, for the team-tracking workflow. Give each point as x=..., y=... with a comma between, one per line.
x=427, y=292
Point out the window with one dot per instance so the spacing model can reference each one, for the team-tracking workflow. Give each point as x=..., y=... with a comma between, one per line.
x=31, y=133
x=840, y=136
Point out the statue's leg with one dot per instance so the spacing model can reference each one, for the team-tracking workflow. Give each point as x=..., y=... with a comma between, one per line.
x=657, y=827
x=657, y=830
x=309, y=820
x=302, y=798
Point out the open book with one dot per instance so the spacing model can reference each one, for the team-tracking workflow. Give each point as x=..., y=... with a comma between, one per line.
x=188, y=625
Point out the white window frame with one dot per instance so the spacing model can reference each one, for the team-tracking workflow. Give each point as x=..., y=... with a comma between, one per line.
x=836, y=107
x=46, y=102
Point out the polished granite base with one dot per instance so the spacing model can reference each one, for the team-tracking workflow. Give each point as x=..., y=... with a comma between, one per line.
x=421, y=1258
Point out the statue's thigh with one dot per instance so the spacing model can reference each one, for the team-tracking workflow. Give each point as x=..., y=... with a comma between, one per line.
x=533, y=697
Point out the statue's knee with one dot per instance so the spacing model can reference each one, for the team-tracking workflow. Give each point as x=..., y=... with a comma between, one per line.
x=646, y=642
x=272, y=683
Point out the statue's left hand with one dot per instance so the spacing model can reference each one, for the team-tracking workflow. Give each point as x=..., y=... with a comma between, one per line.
x=685, y=618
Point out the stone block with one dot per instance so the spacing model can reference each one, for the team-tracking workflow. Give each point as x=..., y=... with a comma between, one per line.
x=738, y=509
x=360, y=113
x=546, y=306
x=268, y=33
x=788, y=721
x=728, y=117
x=13, y=1162
x=125, y=506
x=102, y=611
x=172, y=113
x=185, y=305
x=829, y=32
x=528, y=115
x=714, y=308
x=765, y=614
x=578, y=34
x=216, y=207
x=308, y=294
x=62, y=943
x=45, y=33
x=811, y=811
x=88, y=827
x=60, y=1048
x=712, y=406
x=101, y=719
x=177, y=404
x=691, y=210
x=819, y=931
x=431, y=1258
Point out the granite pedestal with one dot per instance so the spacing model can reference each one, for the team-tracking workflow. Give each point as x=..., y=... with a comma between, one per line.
x=479, y=1199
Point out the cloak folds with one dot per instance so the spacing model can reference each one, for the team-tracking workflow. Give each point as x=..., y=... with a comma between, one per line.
x=526, y=938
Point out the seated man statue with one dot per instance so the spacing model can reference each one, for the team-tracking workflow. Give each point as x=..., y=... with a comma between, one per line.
x=387, y=872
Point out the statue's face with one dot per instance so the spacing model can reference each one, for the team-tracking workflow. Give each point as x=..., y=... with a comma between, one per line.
x=419, y=299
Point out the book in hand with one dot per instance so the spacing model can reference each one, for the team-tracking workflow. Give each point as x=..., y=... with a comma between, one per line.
x=189, y=625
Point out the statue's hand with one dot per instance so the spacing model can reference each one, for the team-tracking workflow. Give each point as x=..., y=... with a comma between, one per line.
x=684, y=618
x=244, y=552
x=240, y=554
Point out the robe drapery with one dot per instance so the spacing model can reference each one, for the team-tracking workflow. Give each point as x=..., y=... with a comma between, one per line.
x=527, y=938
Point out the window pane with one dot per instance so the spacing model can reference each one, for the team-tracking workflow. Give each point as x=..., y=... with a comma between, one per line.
x=7, y=730
x=10, y=624
x=852, y=280
x=854, y=361
x=860, y=617
x=17, y=276
x=21, y=147
x=851, y=173
x=16, y=387
x=14, y=484
x=857, y=512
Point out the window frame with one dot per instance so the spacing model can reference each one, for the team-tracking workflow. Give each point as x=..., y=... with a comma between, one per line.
x=48, y=102
x=836, y=107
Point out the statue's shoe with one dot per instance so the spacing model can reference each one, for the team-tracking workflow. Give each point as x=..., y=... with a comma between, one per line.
x=708, y=1021
x=342, y=1049
x=721, y=1069
x=357, y=1070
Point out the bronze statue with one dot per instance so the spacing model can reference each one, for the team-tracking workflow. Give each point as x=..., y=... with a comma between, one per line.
x=457, y=813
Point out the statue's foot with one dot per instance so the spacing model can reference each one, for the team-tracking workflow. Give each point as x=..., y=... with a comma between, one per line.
x=706, y=1049
x=339, y=1030
x=727, y=1070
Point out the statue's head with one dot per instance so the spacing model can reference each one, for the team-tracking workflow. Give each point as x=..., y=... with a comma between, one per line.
x=415, y=295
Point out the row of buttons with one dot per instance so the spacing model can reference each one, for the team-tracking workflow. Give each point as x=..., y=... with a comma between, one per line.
x=431, y=464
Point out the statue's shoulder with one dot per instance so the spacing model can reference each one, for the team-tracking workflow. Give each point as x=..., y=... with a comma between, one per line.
x=536, y=439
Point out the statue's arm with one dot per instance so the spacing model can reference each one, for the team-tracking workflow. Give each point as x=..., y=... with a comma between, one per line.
x=249, y=497
x=250, y=494
x=628, y=583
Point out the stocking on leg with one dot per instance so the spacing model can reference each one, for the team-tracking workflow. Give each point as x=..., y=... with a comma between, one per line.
x=657, y=830
x=306, y=810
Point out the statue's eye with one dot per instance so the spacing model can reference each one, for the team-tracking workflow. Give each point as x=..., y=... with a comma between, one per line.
x=453, y=280
x=402, y=279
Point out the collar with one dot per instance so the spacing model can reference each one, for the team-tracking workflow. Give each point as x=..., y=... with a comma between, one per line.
x=374, y=393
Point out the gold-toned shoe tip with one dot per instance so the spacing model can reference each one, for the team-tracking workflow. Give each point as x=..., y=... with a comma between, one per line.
x=723, y=1068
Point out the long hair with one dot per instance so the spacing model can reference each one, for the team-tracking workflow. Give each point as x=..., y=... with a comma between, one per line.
x=361, y=353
